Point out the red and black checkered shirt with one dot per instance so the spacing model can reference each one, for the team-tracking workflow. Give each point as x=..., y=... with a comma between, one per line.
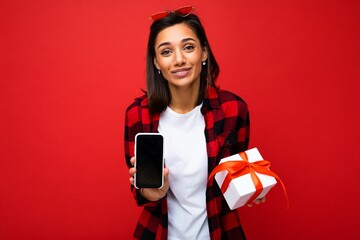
x=227, y=132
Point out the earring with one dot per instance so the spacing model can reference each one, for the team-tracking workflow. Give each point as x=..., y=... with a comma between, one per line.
x=204, y=63
x=159, y=72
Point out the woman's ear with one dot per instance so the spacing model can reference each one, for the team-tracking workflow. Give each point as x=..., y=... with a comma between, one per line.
x=204, y=55
x=156, y=64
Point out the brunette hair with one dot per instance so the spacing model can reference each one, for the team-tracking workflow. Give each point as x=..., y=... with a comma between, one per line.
x=158, y=91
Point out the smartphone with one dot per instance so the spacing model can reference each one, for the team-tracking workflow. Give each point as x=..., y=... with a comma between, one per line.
x=149, y=160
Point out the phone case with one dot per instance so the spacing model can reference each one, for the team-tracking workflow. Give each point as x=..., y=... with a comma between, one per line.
x=150, y=165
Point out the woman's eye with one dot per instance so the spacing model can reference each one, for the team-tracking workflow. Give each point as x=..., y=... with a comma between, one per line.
x=165, y=52
x=189, y=47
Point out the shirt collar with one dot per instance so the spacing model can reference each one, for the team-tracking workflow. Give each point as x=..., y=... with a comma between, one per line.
x=211, y=100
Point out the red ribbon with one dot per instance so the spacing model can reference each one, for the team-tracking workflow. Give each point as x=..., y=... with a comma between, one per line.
x=236, y=169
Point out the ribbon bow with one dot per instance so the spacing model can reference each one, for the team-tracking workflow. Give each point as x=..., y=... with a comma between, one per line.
x=236, y=169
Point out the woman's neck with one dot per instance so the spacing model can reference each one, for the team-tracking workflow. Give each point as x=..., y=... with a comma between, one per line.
x=184, y=100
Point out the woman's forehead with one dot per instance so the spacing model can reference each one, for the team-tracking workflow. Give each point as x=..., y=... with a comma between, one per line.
x=175, y=33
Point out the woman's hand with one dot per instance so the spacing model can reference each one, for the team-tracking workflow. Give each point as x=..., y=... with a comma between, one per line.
x=257, y=201
x=151, y=194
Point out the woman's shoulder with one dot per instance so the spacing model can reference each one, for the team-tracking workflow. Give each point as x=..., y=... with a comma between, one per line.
x=226, y=96
x=134, y=110
x=140, y=101
x=232, y=104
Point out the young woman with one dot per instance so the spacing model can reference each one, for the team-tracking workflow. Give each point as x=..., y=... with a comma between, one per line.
x=200, y=123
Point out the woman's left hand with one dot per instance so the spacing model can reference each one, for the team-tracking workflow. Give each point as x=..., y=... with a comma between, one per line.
x=257, y=201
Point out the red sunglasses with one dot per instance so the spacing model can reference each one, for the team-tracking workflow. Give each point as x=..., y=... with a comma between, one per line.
x=182, y=12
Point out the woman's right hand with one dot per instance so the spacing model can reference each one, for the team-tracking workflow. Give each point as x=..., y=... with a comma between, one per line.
x=151, y=194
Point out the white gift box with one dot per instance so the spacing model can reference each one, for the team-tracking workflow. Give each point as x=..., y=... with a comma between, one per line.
x=242, y=188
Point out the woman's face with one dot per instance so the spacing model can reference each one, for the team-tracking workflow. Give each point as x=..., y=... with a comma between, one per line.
x=179, y=56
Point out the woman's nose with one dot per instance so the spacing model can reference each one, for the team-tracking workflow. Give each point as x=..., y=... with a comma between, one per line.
x=179, y=58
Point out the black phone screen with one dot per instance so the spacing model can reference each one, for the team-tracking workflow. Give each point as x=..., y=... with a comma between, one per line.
x=149, y=161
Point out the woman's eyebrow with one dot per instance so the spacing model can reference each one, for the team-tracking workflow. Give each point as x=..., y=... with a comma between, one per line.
x=164, y=44
x=188, y=39
x=183, y=40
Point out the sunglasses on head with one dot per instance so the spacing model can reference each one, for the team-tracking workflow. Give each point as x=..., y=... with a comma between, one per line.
x=182, y=12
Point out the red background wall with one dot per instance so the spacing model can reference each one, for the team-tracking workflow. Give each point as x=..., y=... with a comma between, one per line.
x=68, y=69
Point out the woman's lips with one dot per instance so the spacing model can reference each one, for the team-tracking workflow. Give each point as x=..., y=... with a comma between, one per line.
x=183, y=72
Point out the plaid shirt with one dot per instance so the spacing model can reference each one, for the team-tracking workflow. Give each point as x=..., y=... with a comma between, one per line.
x=227, y=132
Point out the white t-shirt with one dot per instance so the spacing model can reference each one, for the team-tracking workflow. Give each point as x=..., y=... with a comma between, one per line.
x=186, y=159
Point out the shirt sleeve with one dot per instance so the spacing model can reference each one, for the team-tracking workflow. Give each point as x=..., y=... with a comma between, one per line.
x=133, y=126
x=243, y=128
x=237, y=129
x=235, y=134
